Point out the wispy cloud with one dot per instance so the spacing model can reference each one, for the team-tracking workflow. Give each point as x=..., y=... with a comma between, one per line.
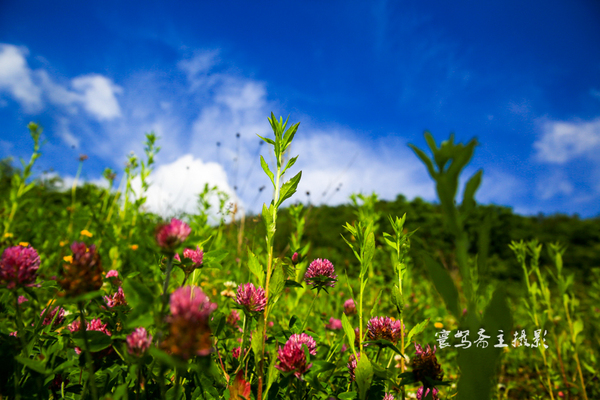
x=562, y=142
x=15, y=77
x=94, y=93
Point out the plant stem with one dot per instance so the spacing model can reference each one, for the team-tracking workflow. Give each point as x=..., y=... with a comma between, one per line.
x=88, y=355
x=309, y=310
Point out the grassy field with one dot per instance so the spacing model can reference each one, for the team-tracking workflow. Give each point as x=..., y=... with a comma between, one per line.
x=101, y=299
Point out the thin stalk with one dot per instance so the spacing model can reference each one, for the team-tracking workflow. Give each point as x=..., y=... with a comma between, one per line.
x=88, y=355
x=309, y=310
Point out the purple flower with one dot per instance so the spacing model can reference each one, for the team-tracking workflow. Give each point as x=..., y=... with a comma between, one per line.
x=352, y=363
x=84, y=271
x=195, y=255
x=113, y=273
x=19, y=266
x=251, y=298
x=421, y=395
x=295, y=258
x=292, y=357
x=60, y=317
x=388, y=396
x=349, y=307
x=190, y=303
x=93, y=325
x=118, y=299
x=334, y=324
x=138, y=342
x=384, y=328
x=425, y=365
x=236, y=352
x=22, y=299
x=189, y=331
x=172, y=235
x=320, y=273
x=233, y=318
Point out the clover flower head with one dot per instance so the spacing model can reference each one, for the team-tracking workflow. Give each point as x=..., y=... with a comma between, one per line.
x=384, y=328
x=320, y=273
x=93, y=325
x=195, y=255
x=59, y=312
x=292, y=357
x=251, y=298
x=173, y=234
x=113, y=273
x=334, y=324
x=388, y=396
x=84, y=271
x=138, y=342
x=236, y=352
x=349, y=307
x=22, y=299
x=189, y=330
x=233, y=318
x=425, y=364
x=421, y=395
x=118, y=299
x=18, y=266
x=191, y=303
x=352, y=363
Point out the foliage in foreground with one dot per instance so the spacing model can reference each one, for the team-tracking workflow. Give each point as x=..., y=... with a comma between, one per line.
x=102, y=300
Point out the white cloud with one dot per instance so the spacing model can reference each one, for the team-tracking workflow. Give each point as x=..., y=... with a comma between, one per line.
x=175, y=186
x=66, y=134
x=562, y=142
x=16, y=77
x=498, y=187
x=95, y=93
x=555, y=184
x=98, y=96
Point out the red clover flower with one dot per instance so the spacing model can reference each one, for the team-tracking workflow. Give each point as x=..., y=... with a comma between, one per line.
x=388, y=396
x=172, y=235
x=320, y=273
x=118, y=299
x=334, y=324
x=251, y=298
x=60, y=317
x=84, y=273
x=384, y=328
x=138, y=342
x=421, y=395
x=425, y=364
x=19, y=266
x=349, y=307
x=93, y=325
x=189, y=331
x=292, y=358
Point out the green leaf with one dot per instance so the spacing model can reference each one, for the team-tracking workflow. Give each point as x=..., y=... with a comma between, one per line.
x=267, y=216
x=289, y=188
x=322, y=366
x=35, y=365
x=384, y=343
x=347, y=395
x=420, y=327
x=217, y=322
x=426, y=160
x=289, y=164
x=214, y=257
x=255, y=267
x=292, y=283
x=276, y=284
x=265, y=168
x=364, y=375
x=368, y=254
x=270, y=141
x=468, y=202
x=96, y=340
x=349, y=333
x=444, y=285
x=141, y=300
x=257, y=339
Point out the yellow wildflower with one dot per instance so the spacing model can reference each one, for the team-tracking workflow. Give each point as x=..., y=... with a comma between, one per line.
x=62, y=243
x=68, y=259
x=134, y=247
x=8, y=235
x=87, y=233
x=438, y=325
x=24, y=244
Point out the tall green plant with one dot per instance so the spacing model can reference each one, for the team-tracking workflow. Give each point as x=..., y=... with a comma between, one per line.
x=478, y=365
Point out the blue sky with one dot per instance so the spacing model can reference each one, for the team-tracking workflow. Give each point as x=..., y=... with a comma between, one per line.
x=363, y=78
